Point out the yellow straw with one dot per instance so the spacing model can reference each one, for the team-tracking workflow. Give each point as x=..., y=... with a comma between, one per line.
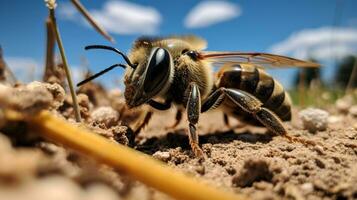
x=138, y=165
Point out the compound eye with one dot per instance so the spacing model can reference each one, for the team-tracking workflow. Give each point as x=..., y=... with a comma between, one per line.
x=158, y=70
x=192, y=54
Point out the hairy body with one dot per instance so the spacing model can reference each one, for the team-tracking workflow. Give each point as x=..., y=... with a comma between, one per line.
x=176, y=70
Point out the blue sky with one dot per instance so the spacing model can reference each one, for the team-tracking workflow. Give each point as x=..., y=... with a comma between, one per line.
x=293, y=28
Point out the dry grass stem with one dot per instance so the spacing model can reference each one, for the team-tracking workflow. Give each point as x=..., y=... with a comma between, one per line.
x=50, y=49
x=6, y=75
x=136, y=164
x=90, y=19
x=64, y=60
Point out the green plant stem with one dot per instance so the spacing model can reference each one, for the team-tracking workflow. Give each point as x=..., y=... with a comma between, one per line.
x=65, y=64
x=302, y=88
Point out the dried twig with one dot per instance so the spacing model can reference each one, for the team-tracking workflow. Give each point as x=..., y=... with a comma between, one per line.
x=352, y=78
x=50, y=48
x=51, y=4
x=6, y=75
x=136, y=164
x=90, y=19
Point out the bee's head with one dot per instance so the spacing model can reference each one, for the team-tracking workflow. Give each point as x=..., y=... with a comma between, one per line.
x=147, y=74
x=151, y=76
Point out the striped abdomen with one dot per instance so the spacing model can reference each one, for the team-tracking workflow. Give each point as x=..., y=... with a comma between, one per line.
x=258, y=83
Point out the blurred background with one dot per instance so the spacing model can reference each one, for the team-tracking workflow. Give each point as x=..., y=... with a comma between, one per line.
x=319, y=30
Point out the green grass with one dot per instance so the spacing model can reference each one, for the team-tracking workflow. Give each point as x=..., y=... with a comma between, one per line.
x=318, y=97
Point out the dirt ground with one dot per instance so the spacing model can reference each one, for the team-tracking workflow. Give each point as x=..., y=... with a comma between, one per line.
x=249, y=161
x=239, y=158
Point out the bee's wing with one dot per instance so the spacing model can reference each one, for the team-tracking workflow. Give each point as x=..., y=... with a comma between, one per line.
x=260, y=59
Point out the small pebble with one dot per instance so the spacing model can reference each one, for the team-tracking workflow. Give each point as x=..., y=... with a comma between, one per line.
x=101, y=191
x=344, y=103
x=337, y=160
x=319, y=149
x=294, y=192
x=353, y=111
x=122, y=134
x=320, y=163
x=55, y=188
x=162, y=155
x=262, y=185
x=26, y=99
x=307, y=188
x=55, y=89
x=314, y=119
x=200, y=169
x=105, y=115
x=231, y=170
x=335, y=119
x=83, y=101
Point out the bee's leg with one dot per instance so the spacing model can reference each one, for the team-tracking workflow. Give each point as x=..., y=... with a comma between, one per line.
x=160, y=106
x=145, y=118
x=213, y=100
x=270, y=120
x=226, y=120
x=178, y=119
x=251, y=104
x=248, y=103
x=166, y=106
x=193, y=112
x=143, y=121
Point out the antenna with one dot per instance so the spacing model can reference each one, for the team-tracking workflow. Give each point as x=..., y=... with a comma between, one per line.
x=112, y=49
x=100, y=73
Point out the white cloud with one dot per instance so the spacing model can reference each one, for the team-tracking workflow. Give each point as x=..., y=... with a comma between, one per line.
x=120, y=17
x=67, y=11
x=323, y=43
x=25, y=69
x=28, y=69
x=208, y=13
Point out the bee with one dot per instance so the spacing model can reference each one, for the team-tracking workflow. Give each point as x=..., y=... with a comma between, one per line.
x=177, y=70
